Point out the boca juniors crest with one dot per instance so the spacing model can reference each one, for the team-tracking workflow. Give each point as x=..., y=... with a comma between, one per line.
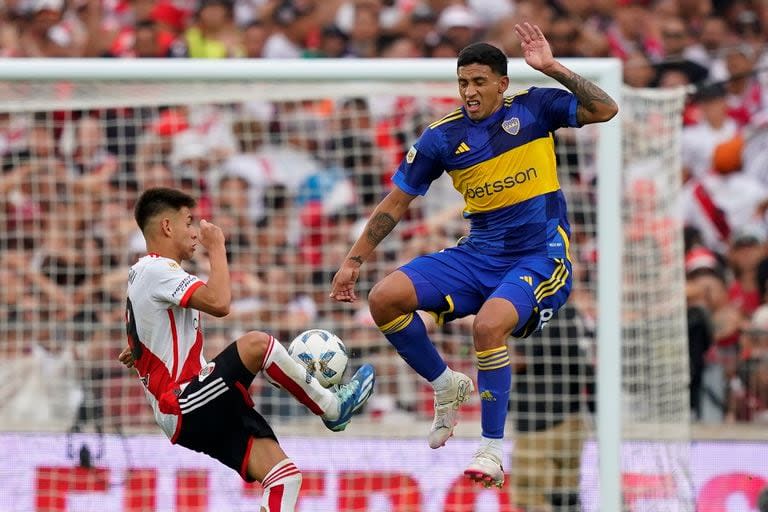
x=511, y=126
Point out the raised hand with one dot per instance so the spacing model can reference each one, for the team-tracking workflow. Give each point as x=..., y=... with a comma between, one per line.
x=536, y=49
x=211, y=235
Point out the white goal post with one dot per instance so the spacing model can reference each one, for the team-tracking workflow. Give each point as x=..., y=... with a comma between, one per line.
x=280, y=79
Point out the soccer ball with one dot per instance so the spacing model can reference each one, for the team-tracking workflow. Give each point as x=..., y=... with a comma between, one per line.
x=322, y=353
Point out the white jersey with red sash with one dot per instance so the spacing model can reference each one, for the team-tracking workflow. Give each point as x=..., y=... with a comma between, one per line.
x=165, y=336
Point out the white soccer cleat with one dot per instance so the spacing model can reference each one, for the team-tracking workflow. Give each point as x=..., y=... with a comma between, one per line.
x=485, y=469
x=447, y=405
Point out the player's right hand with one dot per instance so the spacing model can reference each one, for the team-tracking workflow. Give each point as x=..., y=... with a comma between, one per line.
x=343, y=285
x=536, y=49
x=211, y=235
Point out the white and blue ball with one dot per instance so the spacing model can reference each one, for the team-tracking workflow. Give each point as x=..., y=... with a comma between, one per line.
x=322, y=353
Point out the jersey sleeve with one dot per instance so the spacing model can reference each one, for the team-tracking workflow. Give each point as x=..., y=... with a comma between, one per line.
x=172, y=284
x=421, y=165
x=553, y=108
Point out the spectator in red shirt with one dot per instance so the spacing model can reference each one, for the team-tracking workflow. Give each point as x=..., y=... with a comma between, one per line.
x=630, y=31
x=745, y=94
x=144, y=40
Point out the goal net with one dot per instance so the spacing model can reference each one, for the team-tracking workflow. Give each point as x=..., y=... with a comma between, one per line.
x=290, y=169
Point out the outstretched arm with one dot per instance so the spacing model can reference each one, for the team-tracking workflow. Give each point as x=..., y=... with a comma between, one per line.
x=595, y=106
x=382, y=221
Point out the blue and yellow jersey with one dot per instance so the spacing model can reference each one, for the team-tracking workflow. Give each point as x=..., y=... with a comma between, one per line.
x=504, y=167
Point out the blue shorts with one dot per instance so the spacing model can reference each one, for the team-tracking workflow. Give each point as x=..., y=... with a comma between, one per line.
x=457, y=281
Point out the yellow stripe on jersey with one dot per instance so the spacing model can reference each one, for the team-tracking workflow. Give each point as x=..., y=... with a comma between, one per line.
x=566, y=241
x=463, y=148
x=553, y=279
x=456, y=114
x=555, y=287
x=554, y=283
x=512, y=177
x=509, y=99
x=441, y=316
x=517, y=93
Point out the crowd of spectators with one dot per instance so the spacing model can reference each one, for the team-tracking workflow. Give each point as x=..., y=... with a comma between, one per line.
x=69, y=178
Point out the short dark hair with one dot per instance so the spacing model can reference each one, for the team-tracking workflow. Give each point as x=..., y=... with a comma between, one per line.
x=154, y=201
x=145, y=24
x=483, y=53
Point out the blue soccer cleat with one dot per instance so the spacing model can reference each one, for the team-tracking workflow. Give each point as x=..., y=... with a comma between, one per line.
x=352, y=396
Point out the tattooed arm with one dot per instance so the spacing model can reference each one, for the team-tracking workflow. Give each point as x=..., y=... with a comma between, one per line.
x=382, y=221
x=595, y=106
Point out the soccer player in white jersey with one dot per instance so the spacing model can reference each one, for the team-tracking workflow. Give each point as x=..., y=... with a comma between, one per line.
x=206, y=406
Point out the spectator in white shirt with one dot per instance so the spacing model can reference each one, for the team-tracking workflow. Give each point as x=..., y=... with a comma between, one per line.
x=293, y=22
x=699, y=140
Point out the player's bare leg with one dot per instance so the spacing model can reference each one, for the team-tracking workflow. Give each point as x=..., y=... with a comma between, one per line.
x=261, y=352
x=492, y=326
x=393, y=302
x=281, y=479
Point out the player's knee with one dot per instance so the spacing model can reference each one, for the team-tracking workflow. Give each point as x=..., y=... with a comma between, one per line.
x=391, y=297
x=252, y=346
x=385, y=303
x=489, y=332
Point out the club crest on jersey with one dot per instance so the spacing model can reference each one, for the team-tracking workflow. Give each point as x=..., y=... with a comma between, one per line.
x=206, y=371
x=411, y=156
x=173, y=265
x=511, y=126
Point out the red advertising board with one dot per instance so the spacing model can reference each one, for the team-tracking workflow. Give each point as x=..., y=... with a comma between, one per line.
x=346, y=474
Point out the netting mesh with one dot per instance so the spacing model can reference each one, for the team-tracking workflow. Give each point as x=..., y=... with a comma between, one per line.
x=655, y=346
x=290, y=172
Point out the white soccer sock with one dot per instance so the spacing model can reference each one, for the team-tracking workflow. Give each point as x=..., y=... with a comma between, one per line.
x=281, y=369
x=494, y=446
x=443, y=381
x=281, y=487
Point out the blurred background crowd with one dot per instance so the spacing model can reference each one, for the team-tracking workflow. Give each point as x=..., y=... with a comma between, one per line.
x=292, y=182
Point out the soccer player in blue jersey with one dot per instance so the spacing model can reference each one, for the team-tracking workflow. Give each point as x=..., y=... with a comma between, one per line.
x=513, y=271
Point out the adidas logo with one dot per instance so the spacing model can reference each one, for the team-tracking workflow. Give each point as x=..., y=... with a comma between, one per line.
x=527, y=279
x=463, y=148
x=487, y=396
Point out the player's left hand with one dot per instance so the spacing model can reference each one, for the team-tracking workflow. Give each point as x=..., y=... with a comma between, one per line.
x=536, y=49
x=126, y=357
